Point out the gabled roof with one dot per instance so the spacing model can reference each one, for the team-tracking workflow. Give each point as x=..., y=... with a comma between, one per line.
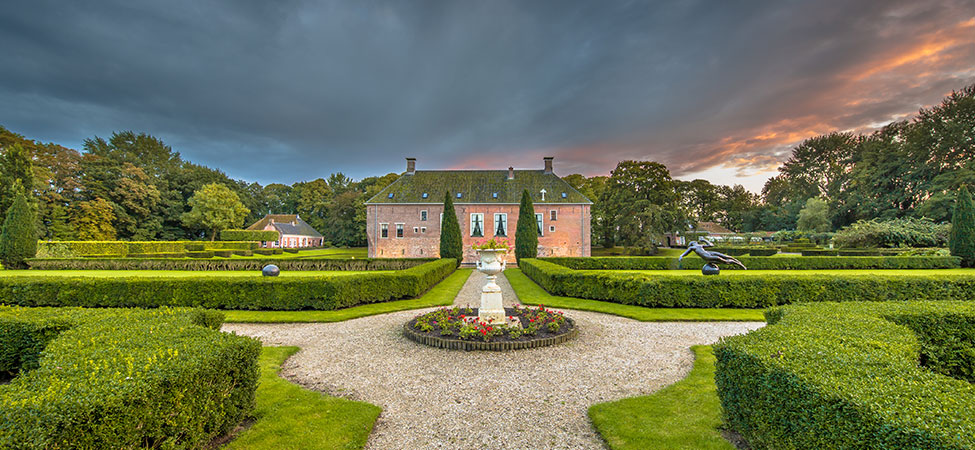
x=283, y=223
x=478, y=186
x=713, y=228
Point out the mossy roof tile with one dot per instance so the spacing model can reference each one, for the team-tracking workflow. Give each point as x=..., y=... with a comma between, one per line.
x=478, y=186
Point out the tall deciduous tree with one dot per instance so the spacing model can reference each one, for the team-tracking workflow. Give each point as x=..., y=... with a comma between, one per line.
x=962, y=241
x=18, y=239
x=814, y=216
x=215, y=207
x=451, y=242
x=92, y=221
x=526, y=235
x=641, y=203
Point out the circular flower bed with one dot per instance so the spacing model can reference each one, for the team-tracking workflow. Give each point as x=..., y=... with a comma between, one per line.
x=459, y=328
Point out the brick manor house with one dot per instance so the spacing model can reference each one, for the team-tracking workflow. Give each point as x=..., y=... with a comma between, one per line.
x=403, y=220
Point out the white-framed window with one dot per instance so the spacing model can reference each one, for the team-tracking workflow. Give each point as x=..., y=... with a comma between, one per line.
x=416, y=230
x=553, y=215
x=477, y=225
x=423, y=215
x=399, y=230
x=384, y=230
x=500, y=224
x=441, y=219
x=423, y=229
x=540, y=223
x=551, y=228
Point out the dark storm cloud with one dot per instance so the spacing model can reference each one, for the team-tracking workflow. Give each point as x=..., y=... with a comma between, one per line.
x=291, y=90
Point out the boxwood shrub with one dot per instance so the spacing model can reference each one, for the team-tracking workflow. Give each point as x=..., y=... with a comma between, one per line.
x=760, y=263
x=248, y=235
x=225, y=264
x=853, y=375
x=200, y=254
x=163, y=378
x=763, y=251
x=752, y=291
x=325, y=292
x=223, y=253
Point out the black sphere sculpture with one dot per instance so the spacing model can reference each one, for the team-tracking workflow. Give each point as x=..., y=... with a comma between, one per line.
x=712, y=258
x=270, y=270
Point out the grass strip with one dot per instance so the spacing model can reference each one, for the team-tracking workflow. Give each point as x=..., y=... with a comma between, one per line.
x=684, y=415
x=290, y=417
x=440, y=295
x=530, y=293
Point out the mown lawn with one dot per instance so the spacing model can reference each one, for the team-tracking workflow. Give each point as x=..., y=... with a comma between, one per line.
x=530, y=293
x=177, y=273
x=440, y=295
x=684, y=415
x=289, y=417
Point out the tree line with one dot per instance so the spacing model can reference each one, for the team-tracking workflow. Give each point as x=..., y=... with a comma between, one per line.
x=909, y=169
x=135, y=187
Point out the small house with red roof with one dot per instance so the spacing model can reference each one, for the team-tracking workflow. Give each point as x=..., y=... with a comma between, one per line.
x=292, y=231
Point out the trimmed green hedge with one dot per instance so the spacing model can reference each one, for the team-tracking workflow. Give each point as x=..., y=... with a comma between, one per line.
x=224, y=264
x=759, y=263
x=249, y=293
x=842, y=252
x=847, y=376
x=248, y=235
x=752, y=291
x=731, y=251
x=763, y=251
x=157, y=255
x=89, y=249
x=163, y=378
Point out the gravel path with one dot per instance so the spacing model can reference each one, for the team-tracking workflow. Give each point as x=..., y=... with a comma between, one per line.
x=470, y=293
x=527, y=399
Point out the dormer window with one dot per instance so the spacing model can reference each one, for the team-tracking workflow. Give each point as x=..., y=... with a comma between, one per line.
x=425, y=195
x=564, y=195
x=494, y=195
x=390, y=195
x=458, y=195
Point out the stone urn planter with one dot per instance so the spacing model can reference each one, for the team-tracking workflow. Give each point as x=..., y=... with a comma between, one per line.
x=491, y=263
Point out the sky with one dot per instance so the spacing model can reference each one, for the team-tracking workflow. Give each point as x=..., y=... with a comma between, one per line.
x=290, y=90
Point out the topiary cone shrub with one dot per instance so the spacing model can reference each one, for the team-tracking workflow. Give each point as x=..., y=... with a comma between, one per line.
x=962, y=242
x=451, y=243
x=18, y=240
x=526, y=235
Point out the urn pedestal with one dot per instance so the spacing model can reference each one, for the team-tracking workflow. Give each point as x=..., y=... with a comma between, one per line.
x=491, y=264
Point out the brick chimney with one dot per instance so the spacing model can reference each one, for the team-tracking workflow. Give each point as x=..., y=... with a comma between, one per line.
x=548, y=164
x=511, y=173
x=410, y=166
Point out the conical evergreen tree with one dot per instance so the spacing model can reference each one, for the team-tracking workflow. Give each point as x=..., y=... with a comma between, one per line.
x=16, y=173
x=18, y=240
x=962, y=241
x=451, y=243
x=526, y=235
